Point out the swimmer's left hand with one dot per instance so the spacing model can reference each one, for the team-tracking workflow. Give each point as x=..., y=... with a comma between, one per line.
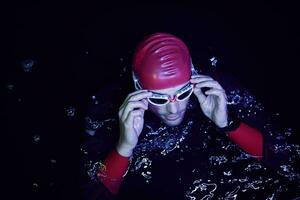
x=213, y=102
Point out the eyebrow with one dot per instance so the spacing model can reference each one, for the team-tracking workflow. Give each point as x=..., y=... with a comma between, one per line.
x=167, y=94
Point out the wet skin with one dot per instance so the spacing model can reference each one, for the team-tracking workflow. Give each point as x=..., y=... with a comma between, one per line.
x=172, y=113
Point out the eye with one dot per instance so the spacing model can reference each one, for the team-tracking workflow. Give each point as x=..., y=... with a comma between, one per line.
x=157, y=101
x=185, y=94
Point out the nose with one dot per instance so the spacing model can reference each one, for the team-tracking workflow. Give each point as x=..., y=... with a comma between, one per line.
x=172, y=107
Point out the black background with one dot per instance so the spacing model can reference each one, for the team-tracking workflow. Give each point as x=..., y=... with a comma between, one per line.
x=78, y=47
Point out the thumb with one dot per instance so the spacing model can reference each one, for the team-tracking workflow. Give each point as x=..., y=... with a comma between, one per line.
x=137, y=120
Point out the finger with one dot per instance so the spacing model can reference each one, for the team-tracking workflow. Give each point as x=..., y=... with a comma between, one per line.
x=134, y=93
x=131, y=106
x=145, y=102
x=222, y=98
x=199, y=94
x=140, y=96
x=210, y=84
x=130, y=96
x=200, y=79
x=130, y=119
x=142, y=112
x=200, y=76
x=131, y=115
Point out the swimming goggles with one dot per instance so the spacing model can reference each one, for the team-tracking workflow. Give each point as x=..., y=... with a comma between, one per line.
x=159, y=99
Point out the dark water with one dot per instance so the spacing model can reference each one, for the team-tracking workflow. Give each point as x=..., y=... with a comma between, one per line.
x=77, y=48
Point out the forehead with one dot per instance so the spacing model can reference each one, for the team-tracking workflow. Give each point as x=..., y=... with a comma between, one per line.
x=172, y=90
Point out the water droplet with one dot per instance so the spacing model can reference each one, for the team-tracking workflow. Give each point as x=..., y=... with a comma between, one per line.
x=36, y=138
x=229, y=173
x=35, y=185
x=53, y=161
x=10, y=86
x=27, y=65
x=70, y=111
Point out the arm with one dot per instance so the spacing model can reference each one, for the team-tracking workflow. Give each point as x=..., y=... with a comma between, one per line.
x=249, y=139
x=259, y=145
x=255, y=141
x=131, y=120
x=115, y=169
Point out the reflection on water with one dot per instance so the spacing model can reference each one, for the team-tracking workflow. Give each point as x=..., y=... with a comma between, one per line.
x=228, y=166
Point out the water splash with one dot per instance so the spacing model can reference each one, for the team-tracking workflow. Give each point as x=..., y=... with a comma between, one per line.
x=233, y=99
x=35, y=185
x=165, y=140
x=229, y=173
x=10, y=87
x=71, y=111
x=289, y=172
x=282, y=147
x=200, y=190
x=93, y=168
x=143, y=165
x=141, y=162
x=218, y=160
x=271, y=197
x=213, y=61
x=254, y=184
x=242, y=156
x=53, y=161
x=36, y=138
x=233, y=194
x=254, y=166
x=27, y=65
x=242, y=180
x=94, y=100
x=95, y=124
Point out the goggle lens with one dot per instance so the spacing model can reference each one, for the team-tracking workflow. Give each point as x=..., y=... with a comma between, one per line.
x=185, y=95
x=158, y=101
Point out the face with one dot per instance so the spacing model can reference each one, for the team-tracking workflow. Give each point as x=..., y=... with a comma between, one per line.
x=172, y=113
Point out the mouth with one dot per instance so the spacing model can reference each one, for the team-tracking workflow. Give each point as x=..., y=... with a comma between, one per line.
x=172, y=117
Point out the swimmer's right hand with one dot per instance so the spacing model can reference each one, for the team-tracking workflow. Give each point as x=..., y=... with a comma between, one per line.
x=131, y=120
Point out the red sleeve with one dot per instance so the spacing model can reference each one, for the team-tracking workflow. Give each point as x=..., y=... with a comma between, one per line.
x=112, y=174
x=249, y=139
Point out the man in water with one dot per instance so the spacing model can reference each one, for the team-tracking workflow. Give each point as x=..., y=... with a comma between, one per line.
x=186, y=146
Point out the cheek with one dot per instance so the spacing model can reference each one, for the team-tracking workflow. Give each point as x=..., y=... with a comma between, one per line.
x=183, y=104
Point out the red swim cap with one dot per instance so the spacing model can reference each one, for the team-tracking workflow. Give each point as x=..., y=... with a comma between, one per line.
x=161, y=61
